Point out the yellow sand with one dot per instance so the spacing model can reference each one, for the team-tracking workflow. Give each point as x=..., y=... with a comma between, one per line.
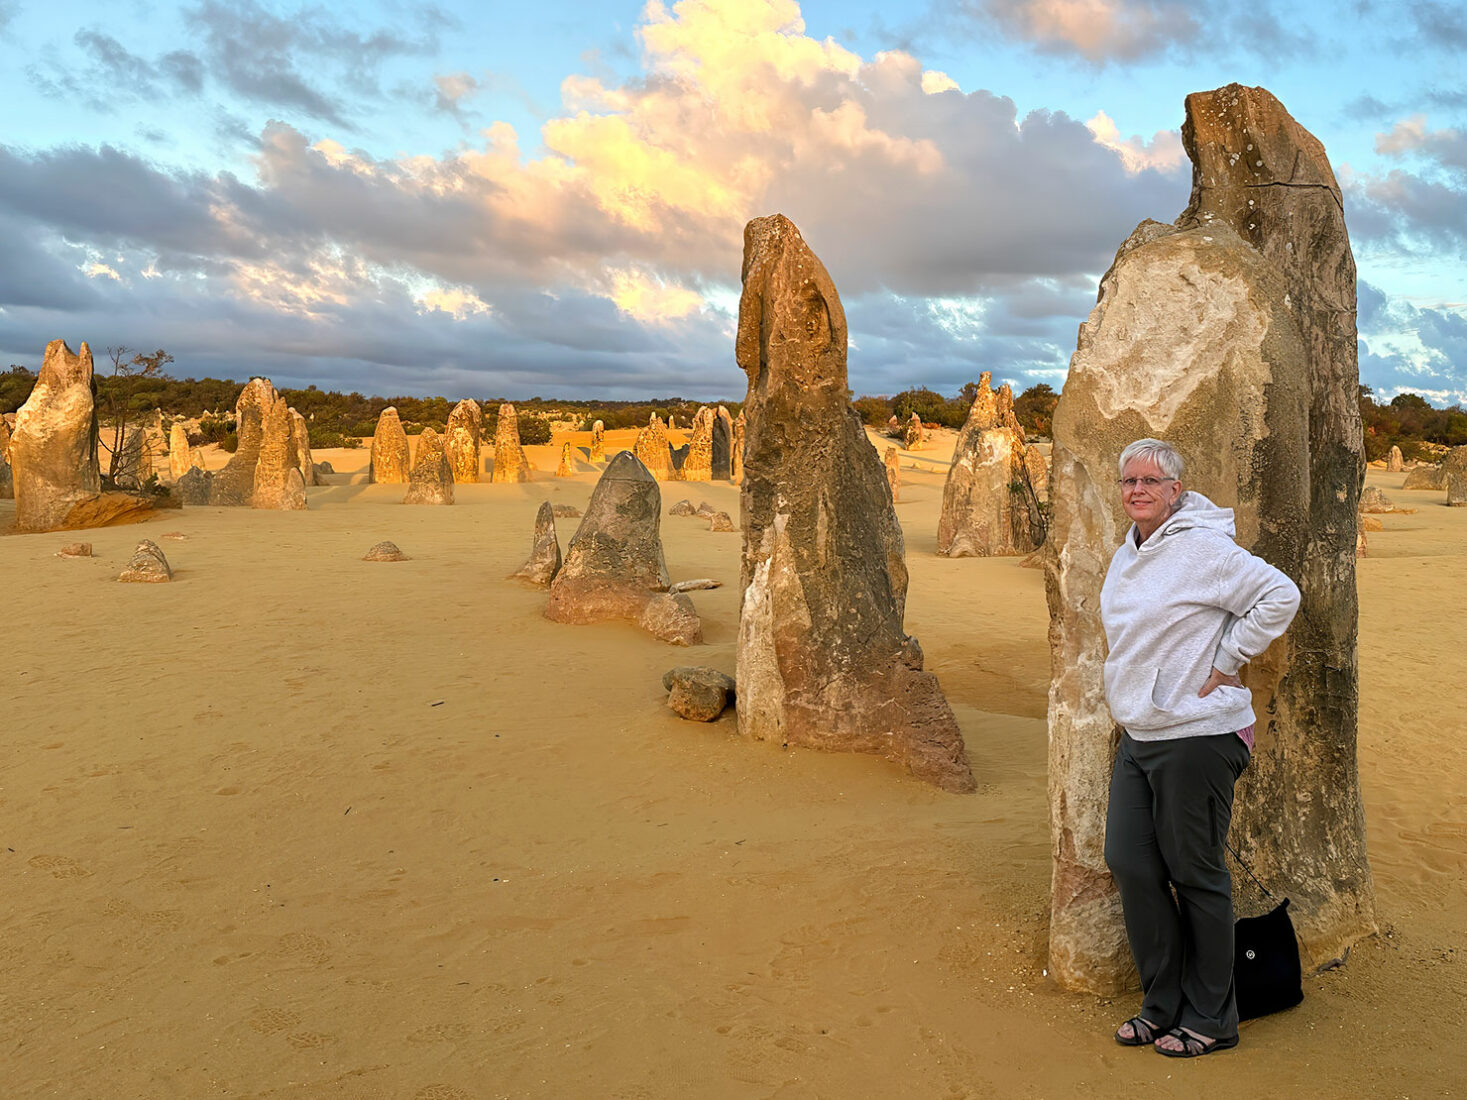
x=298, y=825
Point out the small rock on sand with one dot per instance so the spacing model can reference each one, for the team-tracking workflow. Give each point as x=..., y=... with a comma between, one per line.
x=698, y=693
x=385, y=551
x=694, y=585
x=75, y=550
x=148, y=565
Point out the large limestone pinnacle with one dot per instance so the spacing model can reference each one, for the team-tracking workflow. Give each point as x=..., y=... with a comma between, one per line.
x=1299, y=810
x=1217, y=334
x=823, y=659
x=54, y=450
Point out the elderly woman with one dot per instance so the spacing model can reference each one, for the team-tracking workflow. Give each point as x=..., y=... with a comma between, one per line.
x=1184, y=608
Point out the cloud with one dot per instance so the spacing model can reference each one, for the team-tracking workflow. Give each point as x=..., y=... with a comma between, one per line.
x=450, y=92
x=1164, y=151
x=1404, y=347
x=1448, y=148
x=1099, y=31
x=608, y=256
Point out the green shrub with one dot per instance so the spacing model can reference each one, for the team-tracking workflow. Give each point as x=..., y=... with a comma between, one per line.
x=534, y=430
x=230, y=442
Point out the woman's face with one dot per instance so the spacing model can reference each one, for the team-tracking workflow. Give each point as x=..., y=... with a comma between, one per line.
x=1148, y=505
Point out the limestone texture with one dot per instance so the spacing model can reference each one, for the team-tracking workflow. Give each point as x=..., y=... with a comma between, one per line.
x=1395, y=462
x=598, y=442
x=698, y=693
x=7, y=477
x=75, y=550
x=566, y=511
x=823, y=659
x=431, y=481
x=1456, y=489
x=989, y=507
x=912, y=440
x=614, y=566
x=1231, y=334
x=147, y=566
x=1425, y=477
x=698, y=465
x=1281, y=196
x=300, y=436
x=682, y=508
x=544, y=560
x=53, y=451
x=278, y=484
x=390, y=462
x=723, y=440
x=567, y=467
x=653, y=450
x=385, y=551
x=721, y=521
x=1373, y=500
x=180, y=455
x=894, y=473
x=462, y=437
x=694, y=585
x=194, y=487
x=511, y=464
x=133, y=461
x=234, y=486
x=736, y=454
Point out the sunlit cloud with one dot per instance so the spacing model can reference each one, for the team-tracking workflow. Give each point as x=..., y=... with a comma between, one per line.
x=1164, y=151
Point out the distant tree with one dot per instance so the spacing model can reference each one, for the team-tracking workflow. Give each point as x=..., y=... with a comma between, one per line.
x=123, y=394
x=15, y=386
x=1035, y=409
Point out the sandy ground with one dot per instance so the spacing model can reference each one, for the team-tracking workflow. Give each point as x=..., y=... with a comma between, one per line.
x=297, y=825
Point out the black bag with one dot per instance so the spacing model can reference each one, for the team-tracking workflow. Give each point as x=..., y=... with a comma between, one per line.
x=1266, y=970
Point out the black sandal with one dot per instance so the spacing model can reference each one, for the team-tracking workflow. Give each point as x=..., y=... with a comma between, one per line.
x=1193, y=1047
x=1142, y=1033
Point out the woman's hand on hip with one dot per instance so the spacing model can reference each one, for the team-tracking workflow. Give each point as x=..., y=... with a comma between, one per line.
x=1217, y=679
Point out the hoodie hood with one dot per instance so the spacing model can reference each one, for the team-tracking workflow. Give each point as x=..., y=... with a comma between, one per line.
x=1195, y=511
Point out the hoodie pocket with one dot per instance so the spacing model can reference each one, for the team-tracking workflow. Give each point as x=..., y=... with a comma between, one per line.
x=1129, y=692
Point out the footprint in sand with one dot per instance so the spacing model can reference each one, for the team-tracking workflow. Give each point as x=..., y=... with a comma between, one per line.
x=59, y=866
x=441, y=1033
x=269, y=1021
x=305, y=946
x=442, y=1092
x=309, y=1040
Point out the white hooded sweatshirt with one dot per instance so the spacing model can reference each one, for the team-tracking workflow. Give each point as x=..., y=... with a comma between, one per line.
x=1188, y=600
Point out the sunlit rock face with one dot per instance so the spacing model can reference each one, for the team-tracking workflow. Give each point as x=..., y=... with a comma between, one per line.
x=654, y=451
x=1217, y=334
x=234, y=486
x=279, y=484
x=989, y=506
x=823, y=659
x=431, y=481
x=390, y=462
x=53, y=453
x=461, y=440
x=511, y=464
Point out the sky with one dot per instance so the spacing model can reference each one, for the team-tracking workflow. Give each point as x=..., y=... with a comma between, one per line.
x=548, y=199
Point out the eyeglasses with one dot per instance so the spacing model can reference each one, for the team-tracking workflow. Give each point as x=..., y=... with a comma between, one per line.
x=1129, y=483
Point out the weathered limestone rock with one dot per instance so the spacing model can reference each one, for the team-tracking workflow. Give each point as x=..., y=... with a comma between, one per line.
x=1282, y=197
x=194, y=487
x=75, y=550
x=431, y=481
x=694, y=585
x=1425, y=477
x=1248, y=308
x=7, y=477
x=300, y=436
x=147, y=566
x=132, y=460
x=1233, y=397
x=894, y=427
x=155, y=439
x=698, y=693
x=1362, y=544
x=567, y=467
x=988, y=505
x=385, y=551
x=913, y=438
x=721, y=521
x=544, y=561
x=653, y=451
x=736, y=455
x=723, y=441
x=1038, y=471
x=1371, y=523
x=566, y=511
x=53, y=451
x=234, y=486
x=1374, y=500
x=823, y=659
x=682, y=508
x=705, y=509
x=598, y=442
x=614, y=568
x=1395, y=463
x=390, y=462
x=511, y=464
x=278, y=483
x=180, y=454
x=461, y=440
x=698, y=465
x=1456, y=489
x=894, y=472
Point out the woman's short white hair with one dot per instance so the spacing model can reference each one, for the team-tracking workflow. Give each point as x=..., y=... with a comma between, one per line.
x=1167, y=460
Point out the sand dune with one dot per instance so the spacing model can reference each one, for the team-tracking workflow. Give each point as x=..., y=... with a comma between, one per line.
x=299, y=825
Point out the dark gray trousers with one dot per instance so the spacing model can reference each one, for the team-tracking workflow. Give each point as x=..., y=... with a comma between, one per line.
x=1170, y=806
